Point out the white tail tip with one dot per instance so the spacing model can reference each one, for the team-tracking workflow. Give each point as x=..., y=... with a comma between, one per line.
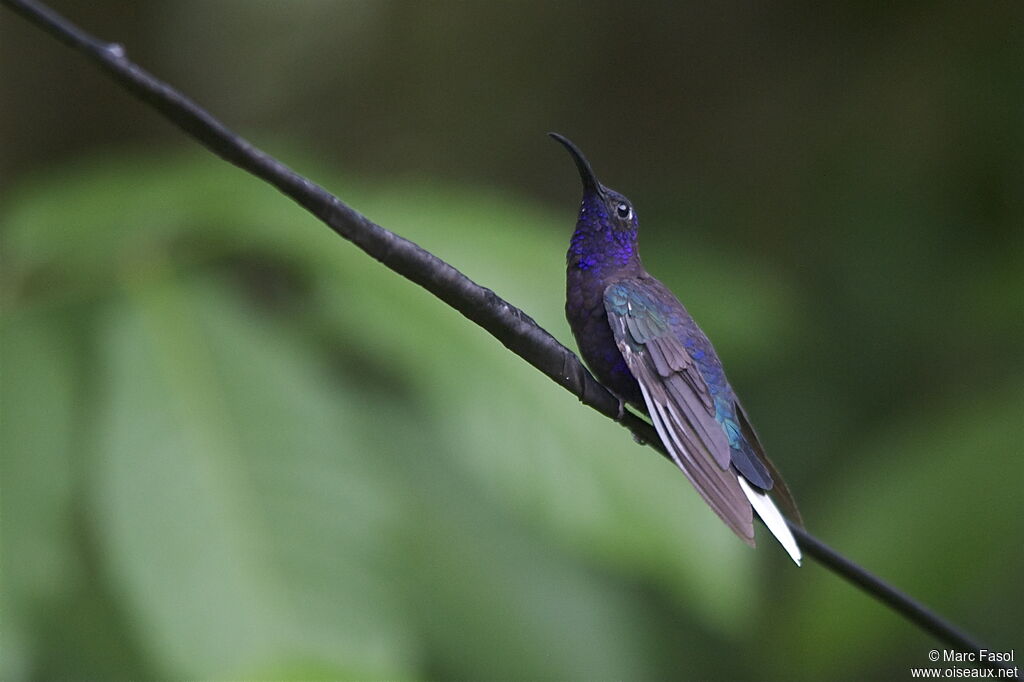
x=772, y=518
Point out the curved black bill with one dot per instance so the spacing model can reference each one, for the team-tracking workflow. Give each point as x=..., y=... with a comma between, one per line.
x=586, y=172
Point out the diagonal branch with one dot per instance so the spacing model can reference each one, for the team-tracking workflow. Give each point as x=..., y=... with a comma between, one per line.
x=508, y=324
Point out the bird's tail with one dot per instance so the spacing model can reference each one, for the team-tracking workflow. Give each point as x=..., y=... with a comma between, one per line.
x=772, y=518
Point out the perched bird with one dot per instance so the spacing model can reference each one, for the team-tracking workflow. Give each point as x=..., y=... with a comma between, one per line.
x=645, y=348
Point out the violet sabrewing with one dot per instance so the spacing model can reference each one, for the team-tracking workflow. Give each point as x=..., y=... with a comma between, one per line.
x=640, y=342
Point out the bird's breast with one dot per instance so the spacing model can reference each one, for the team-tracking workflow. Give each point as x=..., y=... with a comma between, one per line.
x=588, y=319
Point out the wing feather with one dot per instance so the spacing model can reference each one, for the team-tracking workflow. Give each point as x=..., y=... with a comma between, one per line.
x=780, y=490
x=684, y=409
x=718, y=485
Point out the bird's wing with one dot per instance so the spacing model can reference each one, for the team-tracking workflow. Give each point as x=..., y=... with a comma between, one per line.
x=678, y=400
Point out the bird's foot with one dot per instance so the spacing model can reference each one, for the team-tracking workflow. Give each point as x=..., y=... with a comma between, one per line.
x=619, y=417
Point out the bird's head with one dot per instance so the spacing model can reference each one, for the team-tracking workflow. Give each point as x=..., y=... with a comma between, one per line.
x=602, y=209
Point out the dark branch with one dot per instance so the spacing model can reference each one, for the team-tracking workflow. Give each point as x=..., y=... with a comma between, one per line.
x=508, y=324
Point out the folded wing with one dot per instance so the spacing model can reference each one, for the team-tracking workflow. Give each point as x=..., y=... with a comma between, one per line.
x=733, y=480
x=678, y=402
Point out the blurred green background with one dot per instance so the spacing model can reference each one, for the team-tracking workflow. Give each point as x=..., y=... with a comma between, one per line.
x=233, y=446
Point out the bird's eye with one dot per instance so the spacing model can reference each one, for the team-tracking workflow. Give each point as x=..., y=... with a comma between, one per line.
x=624, y=211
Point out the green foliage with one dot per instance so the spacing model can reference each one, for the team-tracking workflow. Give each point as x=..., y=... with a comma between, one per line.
x=233, y=446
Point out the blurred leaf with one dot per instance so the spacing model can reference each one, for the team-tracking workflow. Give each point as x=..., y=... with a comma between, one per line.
x=37, y=419
x=497, y=601
x=241, y=520
x=189, y=205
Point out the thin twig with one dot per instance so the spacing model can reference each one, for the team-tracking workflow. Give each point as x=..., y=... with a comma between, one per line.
x=508, y=324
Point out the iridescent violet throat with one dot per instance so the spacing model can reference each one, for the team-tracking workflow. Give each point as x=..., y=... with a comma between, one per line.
x=640, y=342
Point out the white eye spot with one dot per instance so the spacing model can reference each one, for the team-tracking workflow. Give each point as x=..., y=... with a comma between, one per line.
x=624, y=210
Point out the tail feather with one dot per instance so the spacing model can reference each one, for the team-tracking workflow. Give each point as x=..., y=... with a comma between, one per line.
x=772, y=518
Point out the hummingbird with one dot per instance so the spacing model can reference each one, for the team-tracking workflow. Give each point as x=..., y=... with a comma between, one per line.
x=642, y=344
